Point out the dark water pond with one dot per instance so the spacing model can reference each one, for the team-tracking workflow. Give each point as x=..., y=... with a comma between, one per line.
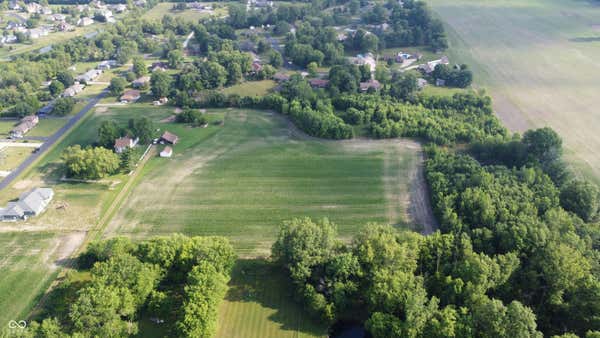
x=348, y=330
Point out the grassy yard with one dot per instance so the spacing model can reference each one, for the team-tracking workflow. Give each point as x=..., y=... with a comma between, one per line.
x=251, y=88
x=165, y=8
x=11, y=157
x=253, y=173
x=6, y=126
x=538, y=59
x=47, y=127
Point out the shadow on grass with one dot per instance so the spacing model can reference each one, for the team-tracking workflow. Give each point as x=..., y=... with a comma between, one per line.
x=260, y=281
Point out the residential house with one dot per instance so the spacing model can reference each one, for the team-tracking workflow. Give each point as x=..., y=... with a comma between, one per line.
x=120, y=8
x=33, y=8
x=73, y=90
x=421, y=83
x=14, y=5
x=430, y=66
x=256, y=67
x=371, y=84
x=440, y=82
x=281, y=77
x=64, y=26
x=89, y=76
x=141, y=82
x=318, y=83
x=25, y=125
x=160, y=101
x=140, y=3
x=57, y=17
x=367, y=59
x=47, y=109
x=31, y=203
x=124, y=143
x=129, y=96
x=85, y=21
x=158, y=66
x=11, y=25
x=168, y=137
x=8, y=39
x=167, y=152
x=36, y=33
x=107, y=64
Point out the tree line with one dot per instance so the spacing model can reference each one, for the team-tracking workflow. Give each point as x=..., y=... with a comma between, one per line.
x=178, y=281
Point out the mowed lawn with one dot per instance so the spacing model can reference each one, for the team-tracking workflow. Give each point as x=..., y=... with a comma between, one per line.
x=256, y=172
x=259, y=304
x=539, y=61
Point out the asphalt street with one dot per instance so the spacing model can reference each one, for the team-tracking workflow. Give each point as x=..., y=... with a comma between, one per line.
x=51, y=141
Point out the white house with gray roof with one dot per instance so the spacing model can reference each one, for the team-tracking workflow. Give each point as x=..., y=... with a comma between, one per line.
x=31, y=203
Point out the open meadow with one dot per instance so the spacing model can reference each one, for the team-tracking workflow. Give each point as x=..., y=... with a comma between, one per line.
x=539, y=61
x=256, y=172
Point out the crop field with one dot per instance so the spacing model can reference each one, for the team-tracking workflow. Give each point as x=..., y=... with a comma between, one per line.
x=538, y=59
x=256, y=172
x=165, y=8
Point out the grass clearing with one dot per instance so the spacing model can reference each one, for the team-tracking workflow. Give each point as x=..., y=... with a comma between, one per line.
x=538, y=59
x=166, y=8
x=246, y=177
x=251, y=88
x=259, y=305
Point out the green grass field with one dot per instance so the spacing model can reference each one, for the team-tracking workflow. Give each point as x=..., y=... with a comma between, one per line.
x=254, y=173
x=165, y=8
x=260, y=305
x=251, y=88
x=538, y=59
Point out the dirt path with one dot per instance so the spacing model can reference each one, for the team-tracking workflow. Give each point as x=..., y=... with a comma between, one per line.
x=419, y=210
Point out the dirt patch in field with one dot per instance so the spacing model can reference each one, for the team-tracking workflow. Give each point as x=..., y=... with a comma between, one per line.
x=67, y=246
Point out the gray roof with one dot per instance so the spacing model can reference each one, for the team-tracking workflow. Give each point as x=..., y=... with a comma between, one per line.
x=31, y=202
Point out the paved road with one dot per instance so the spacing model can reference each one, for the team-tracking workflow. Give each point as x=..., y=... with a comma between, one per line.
x=51, y=141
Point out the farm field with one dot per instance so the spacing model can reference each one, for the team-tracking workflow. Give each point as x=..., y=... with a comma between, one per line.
x=165, y=8
x=257, y=172
x=538, y=60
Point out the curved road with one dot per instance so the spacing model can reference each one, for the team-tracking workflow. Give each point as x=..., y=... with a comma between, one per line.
x=51, y=141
